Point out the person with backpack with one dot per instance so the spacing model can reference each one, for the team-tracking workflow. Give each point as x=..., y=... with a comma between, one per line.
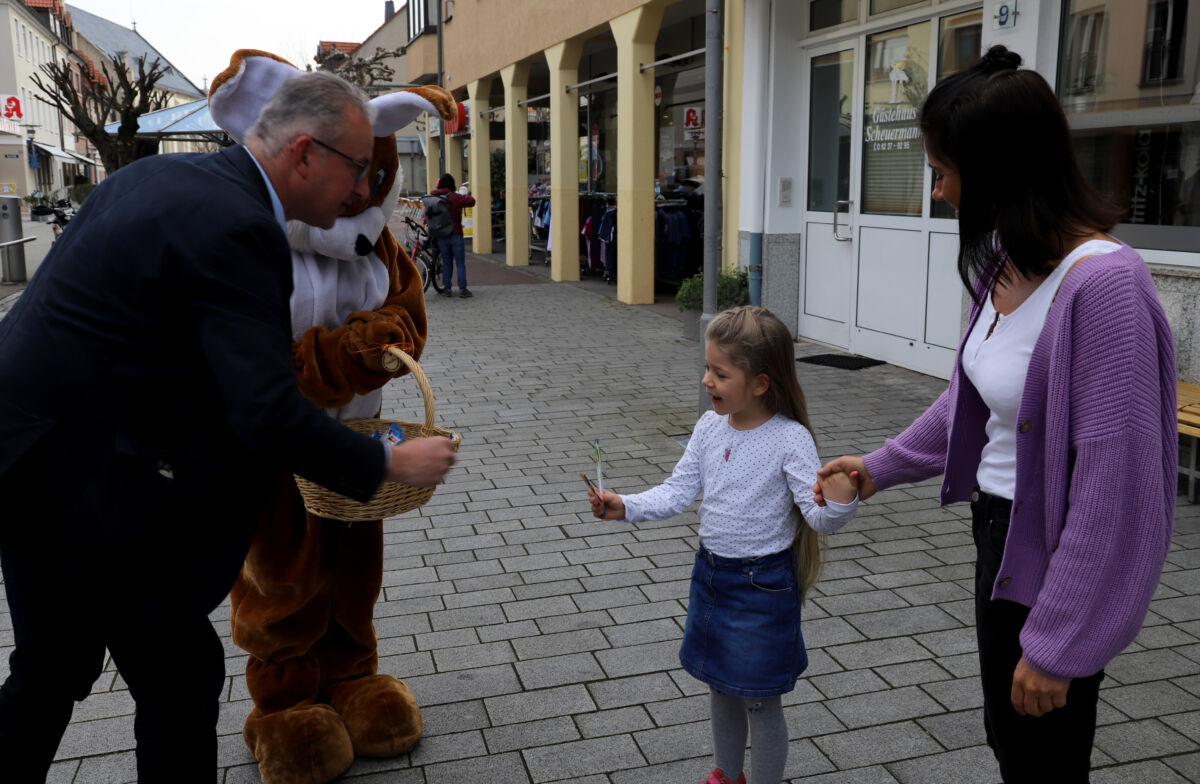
x=443, y=219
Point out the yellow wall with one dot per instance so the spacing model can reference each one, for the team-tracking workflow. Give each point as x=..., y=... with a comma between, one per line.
x=488, y=35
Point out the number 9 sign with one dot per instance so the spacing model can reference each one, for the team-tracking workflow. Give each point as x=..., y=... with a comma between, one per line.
x=1005, y=17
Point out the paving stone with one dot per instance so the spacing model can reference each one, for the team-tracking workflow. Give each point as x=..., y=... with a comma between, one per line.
x=957, y=730
x=530, y=734
x=1138, y=773
x=1156, y=698
x=581, y=758
x=975, y=765
x=877, y=745
x=876, y=653
x=565, y=643
x=843, y=684
x=906, y=620
x=883, y=707
x=559, y=670
x=1139, y=740
x=912, y=673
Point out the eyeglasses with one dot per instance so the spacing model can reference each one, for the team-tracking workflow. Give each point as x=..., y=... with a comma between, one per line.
x=359, y=166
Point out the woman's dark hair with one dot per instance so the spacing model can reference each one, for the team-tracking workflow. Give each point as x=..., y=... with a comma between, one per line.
x=1022, y=194
x=446, y=181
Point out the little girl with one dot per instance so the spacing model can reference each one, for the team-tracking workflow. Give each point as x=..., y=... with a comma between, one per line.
x=754, y=459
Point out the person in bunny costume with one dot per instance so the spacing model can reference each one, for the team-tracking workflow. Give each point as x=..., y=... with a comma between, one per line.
x=303, y=604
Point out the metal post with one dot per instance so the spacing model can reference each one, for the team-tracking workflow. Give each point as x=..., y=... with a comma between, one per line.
x=442, y=135
x=714, y=68
x=10, y=234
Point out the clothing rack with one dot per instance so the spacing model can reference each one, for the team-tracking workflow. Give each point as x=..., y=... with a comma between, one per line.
x=539, y=240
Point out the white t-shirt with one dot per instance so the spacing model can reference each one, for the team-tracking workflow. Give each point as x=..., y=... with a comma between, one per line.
x=997, y=366
x=752, y=480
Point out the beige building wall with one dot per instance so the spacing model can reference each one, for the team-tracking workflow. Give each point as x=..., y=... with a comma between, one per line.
x=497, y=33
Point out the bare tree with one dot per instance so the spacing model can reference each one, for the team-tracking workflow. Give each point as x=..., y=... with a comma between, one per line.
x=364, y=71
x=93, y=100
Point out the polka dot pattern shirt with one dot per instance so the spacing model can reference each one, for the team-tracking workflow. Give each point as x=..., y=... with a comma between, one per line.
x=752, y=481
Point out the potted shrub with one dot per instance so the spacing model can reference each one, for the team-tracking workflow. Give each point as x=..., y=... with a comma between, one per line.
x=733, y=289
x=39, y=206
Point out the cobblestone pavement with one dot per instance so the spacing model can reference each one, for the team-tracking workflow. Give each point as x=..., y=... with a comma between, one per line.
x=542, y=643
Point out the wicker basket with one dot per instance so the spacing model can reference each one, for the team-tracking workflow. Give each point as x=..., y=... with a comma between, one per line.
x=392, y=498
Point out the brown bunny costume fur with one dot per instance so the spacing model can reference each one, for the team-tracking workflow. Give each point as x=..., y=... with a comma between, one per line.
x=303, y=604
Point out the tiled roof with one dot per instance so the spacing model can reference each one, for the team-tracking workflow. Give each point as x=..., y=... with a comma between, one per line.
x=342, y=46
x=113, y=40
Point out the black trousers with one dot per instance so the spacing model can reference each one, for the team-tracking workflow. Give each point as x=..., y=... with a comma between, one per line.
x=1054, y=748
x=69, y=602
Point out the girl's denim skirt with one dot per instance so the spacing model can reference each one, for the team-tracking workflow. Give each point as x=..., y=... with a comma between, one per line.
x=742, y=635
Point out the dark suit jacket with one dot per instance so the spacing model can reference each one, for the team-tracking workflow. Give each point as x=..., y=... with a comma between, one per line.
x=147, y=390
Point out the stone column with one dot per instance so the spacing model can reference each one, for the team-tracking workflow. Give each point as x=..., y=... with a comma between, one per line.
x=481, y=164
x=516, y=165
x=454, y=158
x=563, y=60
x=432, y=145
x=635, y=33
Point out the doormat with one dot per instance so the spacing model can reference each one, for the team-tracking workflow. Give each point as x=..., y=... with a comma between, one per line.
x=843, y=361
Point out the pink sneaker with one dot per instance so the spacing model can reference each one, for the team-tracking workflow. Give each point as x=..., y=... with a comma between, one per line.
x=718, y=777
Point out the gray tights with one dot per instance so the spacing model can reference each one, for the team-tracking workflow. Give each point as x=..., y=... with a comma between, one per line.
x=763, y=717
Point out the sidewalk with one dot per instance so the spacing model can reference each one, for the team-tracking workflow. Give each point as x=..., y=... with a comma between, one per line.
x=542, y=643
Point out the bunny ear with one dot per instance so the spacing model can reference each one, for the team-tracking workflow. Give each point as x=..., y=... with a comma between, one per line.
x=239, y=92
x=396, y=110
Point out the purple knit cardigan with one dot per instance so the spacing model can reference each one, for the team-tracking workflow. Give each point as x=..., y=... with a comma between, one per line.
x=1096, y=465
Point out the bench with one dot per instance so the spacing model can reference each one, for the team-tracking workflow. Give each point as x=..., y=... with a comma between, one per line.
x=1188, y=417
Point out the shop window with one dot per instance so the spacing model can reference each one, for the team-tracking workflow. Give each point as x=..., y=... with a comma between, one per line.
x=1133, y=113
x=680, y=107
x=893, y=159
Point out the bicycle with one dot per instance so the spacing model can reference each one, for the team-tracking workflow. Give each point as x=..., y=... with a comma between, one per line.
x=425, y=255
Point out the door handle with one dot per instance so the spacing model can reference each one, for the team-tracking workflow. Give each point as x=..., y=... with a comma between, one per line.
x=836, y=206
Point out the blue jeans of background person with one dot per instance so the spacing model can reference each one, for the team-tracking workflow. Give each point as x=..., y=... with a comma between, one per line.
x=1055, y=748
x=453, y=255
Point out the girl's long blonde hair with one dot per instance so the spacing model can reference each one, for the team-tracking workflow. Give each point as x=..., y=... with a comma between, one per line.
x=756, y=341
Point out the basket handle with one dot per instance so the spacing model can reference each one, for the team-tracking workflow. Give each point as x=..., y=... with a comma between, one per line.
x=391, y=361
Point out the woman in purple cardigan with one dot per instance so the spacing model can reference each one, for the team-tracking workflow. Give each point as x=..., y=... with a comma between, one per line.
x=1059, y=421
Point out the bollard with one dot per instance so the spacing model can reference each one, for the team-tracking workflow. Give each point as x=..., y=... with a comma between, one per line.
x=755, y=279
x=10, y=229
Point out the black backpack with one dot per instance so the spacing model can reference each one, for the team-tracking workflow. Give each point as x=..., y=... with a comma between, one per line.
x=438, y=220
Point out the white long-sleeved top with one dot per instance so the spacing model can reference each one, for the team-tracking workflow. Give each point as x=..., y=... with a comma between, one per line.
x=751, y=481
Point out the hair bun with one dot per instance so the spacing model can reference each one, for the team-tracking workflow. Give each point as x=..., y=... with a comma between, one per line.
x=999, y=58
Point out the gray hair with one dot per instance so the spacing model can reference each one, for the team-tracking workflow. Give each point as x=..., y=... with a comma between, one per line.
x=315, y=103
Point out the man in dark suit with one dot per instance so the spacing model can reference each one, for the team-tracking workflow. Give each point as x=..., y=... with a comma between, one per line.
x=147, y=394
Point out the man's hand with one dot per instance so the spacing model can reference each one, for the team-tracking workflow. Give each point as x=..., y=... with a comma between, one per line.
x=421, y=462
x=849, y=466
x=1034, y=694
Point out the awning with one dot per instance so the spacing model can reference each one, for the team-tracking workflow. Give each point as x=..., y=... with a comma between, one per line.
x=188, y=118
x=50, y=149
x=82, y=158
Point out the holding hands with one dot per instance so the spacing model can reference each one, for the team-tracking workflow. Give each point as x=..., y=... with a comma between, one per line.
x=851, y=467
x=838, y=486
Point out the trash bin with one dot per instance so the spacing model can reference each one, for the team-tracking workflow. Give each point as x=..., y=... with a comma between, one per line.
x=10, y=229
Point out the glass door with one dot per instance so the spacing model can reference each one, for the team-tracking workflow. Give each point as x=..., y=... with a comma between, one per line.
x=878, y=275
x=826, y=277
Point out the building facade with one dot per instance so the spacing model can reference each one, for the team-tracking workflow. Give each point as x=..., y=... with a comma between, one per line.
x=37, y=143
x=821, y=171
